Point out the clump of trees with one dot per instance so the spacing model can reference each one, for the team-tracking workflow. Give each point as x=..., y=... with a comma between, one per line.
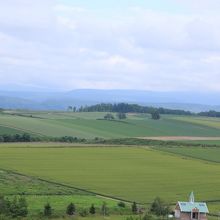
x=155, y=115
x=121, y=115
x=16, y=208
x=72, y=108
x=16, y=138
x=109, y=117
x=159, y=207
x=130, y=108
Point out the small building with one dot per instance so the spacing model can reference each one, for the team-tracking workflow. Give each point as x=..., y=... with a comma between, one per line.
x=191, y=210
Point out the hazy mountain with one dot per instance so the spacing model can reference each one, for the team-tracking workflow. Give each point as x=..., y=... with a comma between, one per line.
x=60, y=100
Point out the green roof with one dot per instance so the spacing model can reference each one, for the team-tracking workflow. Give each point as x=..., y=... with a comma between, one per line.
x=189, y=206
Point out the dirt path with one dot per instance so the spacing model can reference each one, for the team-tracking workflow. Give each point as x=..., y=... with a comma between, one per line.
x=181, y=138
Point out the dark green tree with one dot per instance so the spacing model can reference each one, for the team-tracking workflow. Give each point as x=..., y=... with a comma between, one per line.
x=104, y=209
x=47, y=210
x=134, y=208
x=71, y=209
x=155, y=115
x=70, y=108
x=22, y=207
x=92, y=209
x=159, y=207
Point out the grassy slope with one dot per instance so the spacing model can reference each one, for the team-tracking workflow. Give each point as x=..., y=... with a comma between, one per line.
x=130, y=173
x=86, y=125
x=15, y=184
x=8, y=130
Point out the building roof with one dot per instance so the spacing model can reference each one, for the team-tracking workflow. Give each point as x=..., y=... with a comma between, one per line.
x=189, y=206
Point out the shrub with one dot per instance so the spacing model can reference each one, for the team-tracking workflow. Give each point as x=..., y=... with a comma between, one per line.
x=71, y=209
x=92, y=209
x=121, y=204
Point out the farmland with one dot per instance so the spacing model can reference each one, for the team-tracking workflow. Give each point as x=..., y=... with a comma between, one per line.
x=128, y=173
x=203, y=153
x=90, y=125
x=60, y=173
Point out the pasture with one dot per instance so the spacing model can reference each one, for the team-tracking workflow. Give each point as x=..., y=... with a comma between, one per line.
x=130, y=173
x=90, y=125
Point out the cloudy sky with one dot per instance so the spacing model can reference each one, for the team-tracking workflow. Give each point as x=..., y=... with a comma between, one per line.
x=159, y=45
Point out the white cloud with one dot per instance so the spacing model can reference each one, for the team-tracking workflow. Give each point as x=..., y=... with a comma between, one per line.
x=62, y=46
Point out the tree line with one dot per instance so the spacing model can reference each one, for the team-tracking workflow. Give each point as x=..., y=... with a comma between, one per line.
x=25, y=137
x=130, y=108
x=17, y=208
x=135, y=108
x=214, y=114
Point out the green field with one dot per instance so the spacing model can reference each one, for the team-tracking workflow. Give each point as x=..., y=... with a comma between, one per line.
x=205, y=153
x=128, y=173
x=205, y=121
x=88, y=125
x=9, y=130
x=62, y=173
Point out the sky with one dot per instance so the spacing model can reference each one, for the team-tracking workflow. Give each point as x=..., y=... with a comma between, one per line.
x=156, y=45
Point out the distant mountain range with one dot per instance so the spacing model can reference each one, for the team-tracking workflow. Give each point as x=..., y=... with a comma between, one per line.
x=61, y=100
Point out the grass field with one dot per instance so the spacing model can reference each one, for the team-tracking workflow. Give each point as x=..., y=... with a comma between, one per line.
x=128, y=173
x=205, y=121
x=88, y=125
x=209, y=153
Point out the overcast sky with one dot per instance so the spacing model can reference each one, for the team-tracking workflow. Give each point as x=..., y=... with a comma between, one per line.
x=159, y=45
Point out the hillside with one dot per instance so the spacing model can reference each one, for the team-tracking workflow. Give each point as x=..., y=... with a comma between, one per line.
x=91, y=125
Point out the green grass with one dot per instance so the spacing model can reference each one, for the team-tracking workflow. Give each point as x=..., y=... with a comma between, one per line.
x=134, y=174
x=15, y=184
x=87, y=125
x=205, y=153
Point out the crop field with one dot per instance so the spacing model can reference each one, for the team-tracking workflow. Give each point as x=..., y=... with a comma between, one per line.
x=135, y=174
x=90, y=125
x=205, y=121
x=205, y=153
